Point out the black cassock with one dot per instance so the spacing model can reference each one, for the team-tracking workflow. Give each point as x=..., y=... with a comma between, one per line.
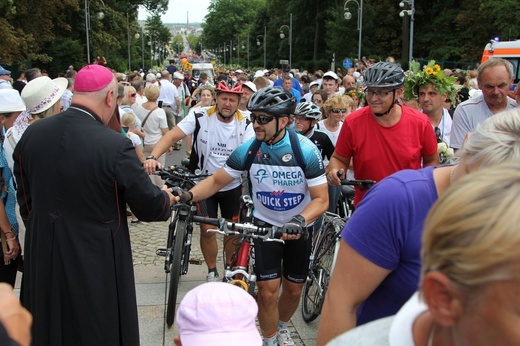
x=75, y=177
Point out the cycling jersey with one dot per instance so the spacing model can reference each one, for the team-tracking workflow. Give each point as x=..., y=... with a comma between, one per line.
x=280, y=187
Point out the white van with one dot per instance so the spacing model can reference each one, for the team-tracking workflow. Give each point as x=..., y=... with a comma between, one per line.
x=509, y=50
x=198, y=68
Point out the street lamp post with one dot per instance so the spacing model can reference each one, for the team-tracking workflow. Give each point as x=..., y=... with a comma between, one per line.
x=128, y=34
x=142, y=46
x=410, y=12
x=231, y=52
x=238, y=50
x=87, y=24
x=264, y=36
x=247, y=50
x=282, y=35
x=348, y=15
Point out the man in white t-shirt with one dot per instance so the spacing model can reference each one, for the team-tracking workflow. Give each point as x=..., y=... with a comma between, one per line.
x=216, y=132
x=169, y=96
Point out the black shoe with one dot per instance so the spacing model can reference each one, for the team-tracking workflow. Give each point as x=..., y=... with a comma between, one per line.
x=135, y=222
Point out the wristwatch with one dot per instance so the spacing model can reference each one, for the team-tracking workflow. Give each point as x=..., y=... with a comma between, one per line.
x=151, y=157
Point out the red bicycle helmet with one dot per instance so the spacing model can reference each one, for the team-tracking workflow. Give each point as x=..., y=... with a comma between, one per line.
x=223, y=88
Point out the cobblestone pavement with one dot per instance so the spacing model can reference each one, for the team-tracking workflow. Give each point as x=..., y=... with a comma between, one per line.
x=146, y=238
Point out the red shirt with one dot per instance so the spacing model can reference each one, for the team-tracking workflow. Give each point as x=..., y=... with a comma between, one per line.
x=379, y=151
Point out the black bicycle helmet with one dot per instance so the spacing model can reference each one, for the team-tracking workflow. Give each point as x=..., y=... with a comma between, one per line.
x=384, y=75
x=308, y=110
x=272, y=100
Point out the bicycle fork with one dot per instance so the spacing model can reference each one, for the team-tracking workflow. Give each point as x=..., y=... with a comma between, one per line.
x=239, y=275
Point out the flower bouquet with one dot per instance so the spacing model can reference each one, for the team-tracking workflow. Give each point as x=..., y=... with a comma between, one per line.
x=445, y=153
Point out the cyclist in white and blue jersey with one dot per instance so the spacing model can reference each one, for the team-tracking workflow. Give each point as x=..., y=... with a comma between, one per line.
x=289, y=190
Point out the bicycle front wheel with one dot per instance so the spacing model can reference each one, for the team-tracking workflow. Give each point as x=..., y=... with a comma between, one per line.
x=175, y=272
x=317, y=283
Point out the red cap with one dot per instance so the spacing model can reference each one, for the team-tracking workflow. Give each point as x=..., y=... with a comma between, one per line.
x=92, y=78
x=223, y=88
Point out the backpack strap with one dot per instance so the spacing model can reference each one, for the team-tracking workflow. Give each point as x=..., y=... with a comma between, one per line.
x=297, y=150
x=295, y=145
x=251, y=153
x=194, y=155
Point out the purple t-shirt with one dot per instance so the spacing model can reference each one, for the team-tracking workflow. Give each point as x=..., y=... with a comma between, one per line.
x=386, y=229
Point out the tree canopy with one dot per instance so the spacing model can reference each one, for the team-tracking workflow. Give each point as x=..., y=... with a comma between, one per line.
x=444, y=30
x=51, y=33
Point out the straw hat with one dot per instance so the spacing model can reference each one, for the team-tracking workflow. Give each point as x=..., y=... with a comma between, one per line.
x=10, y=101
x=42, y=93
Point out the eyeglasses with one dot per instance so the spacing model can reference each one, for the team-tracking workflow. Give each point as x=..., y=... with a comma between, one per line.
x=133, y=94
x=338, y=110
x=300, y=118
x=379, y=94
x=261, y=119
x=317, y=101
x=438, y=134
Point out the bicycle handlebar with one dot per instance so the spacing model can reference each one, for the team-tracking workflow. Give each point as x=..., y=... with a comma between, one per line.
x=271, y=233
x=363, y=184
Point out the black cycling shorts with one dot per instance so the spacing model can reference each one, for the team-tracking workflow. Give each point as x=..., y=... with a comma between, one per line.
x=272, y=259
x=228, y=201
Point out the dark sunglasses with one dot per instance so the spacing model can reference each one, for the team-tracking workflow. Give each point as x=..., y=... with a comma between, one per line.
x=261, y=119
x=317, y=101
x=338, y=110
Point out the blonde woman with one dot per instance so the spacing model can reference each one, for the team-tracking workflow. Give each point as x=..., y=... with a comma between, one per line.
x=470, y=275
x=126, y=106
x=378, y=264
x=154, y=126
x=335, y=109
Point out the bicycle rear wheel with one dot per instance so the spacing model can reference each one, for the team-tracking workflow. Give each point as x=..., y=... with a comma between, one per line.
x=175, y=272
x=317, y=283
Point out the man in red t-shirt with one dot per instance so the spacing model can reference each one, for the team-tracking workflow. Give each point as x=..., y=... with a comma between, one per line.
x=383, y=137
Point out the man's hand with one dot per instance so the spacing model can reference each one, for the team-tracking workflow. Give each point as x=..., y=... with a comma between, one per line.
x=294, y=229
x=334, y=177
x=182, y=196
x=15, y=318
x=170, y=194
x=151, y=165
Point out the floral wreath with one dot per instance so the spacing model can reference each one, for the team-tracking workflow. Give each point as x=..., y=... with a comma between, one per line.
x=430, y=74
x=354, y=92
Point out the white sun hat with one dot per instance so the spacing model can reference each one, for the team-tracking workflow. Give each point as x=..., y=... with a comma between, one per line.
x=10, y=101
x=42, y=93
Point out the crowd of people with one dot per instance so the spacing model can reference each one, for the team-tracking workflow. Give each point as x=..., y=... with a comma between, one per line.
x=290, y=137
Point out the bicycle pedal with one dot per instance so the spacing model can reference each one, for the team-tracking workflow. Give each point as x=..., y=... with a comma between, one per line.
x=160, y=252
x=196, y=261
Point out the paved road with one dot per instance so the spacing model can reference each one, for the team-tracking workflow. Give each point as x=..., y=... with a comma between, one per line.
x=150, y=281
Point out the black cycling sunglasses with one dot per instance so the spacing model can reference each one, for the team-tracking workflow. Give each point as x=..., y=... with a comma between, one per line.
x=261, y=119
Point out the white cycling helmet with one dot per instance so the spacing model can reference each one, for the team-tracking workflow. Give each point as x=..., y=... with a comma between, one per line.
x=308, y=110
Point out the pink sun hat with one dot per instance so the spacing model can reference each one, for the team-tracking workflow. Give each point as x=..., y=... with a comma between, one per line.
x=92, y=78
x=218, y=314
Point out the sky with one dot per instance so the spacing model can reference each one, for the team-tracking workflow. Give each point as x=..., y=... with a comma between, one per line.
x=197, y=10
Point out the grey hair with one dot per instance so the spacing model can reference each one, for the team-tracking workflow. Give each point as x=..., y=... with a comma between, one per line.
x=495, y=140
x=496, y=62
